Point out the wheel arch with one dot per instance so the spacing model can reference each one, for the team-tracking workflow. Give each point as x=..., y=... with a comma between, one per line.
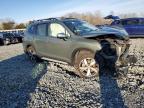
x=76, y=52
x=29, y=45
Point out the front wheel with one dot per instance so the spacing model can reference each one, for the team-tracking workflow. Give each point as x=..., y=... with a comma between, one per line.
x=86, y=64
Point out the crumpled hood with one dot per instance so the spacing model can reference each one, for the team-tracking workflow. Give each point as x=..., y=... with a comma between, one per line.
x=118, y=32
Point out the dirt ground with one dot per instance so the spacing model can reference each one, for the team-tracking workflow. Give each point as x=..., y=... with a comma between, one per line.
x=24, y=84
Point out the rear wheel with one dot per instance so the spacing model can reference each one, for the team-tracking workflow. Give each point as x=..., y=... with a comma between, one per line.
x=16, y=40
x=6, y=41
x=32, y=54
x=86, y=64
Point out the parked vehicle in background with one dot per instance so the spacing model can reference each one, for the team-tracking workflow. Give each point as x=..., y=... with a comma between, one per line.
x=5, y=39
x=133, y=26
x=76, y=42
x=10, y=38
x=18, y=37
x=112, y=29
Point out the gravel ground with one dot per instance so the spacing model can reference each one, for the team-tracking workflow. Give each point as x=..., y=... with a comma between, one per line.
x=24, y=84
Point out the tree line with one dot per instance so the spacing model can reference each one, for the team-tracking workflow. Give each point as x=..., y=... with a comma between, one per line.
x=95, y=18
x=10, y=24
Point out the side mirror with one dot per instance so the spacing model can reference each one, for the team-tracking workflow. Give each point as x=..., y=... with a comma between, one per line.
x=61, y=35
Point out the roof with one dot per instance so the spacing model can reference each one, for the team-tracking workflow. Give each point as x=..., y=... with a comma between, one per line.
x=53, y=19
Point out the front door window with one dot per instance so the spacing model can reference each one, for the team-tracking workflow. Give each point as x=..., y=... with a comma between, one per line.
x=55, y=29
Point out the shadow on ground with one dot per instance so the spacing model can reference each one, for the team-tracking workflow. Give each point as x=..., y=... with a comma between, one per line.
x=19, y=78
x=109, y=96
x=110, y=93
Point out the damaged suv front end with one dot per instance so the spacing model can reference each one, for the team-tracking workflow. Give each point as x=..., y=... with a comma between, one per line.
x=115, y=48
x=114, y=43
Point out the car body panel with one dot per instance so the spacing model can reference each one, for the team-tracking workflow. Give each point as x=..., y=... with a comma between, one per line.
x=107, y=31
x=53, y=47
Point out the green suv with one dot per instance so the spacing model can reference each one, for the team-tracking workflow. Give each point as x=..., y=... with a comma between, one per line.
x=76, y=42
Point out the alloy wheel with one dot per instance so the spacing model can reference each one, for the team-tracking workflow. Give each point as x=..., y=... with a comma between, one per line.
x=31, y=54
x=88, y=67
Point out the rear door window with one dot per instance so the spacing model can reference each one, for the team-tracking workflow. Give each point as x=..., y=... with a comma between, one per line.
x=42, y=30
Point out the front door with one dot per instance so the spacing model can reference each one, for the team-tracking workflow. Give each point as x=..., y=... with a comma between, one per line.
x=58, y=48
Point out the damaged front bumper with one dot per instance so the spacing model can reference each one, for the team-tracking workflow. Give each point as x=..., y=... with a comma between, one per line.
x=120, y=59
x=122, y=63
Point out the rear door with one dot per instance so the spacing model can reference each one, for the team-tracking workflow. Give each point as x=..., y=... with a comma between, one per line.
x=41, y=39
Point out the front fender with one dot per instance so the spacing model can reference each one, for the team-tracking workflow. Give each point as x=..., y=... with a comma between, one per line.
x=86, y=44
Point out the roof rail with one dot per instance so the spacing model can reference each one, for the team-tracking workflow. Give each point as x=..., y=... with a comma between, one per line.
x=52, y=19
x=48, y=19
x=69, y=18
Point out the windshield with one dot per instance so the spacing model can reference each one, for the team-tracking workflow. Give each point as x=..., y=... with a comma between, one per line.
x=80, y=27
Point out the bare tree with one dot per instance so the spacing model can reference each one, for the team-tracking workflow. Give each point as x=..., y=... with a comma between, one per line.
x=1, y=26
x=128, y=15
x=93, y=18
x=20, y=26
x=8, y=24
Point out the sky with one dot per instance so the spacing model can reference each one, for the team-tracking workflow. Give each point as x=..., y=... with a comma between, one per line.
x=25, y=10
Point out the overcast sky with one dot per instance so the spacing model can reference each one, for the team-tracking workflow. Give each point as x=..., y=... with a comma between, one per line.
x=24, y=10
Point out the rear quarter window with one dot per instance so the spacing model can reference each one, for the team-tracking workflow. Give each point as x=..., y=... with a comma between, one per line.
x=32, y=29
x=42, y=29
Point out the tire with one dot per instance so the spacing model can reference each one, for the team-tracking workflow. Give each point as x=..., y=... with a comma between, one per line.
x=6, y=41
x=31, y=53
x=86, y=64
x=16, y=40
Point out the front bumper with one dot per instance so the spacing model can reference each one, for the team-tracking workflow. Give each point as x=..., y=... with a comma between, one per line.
x=120, y=58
